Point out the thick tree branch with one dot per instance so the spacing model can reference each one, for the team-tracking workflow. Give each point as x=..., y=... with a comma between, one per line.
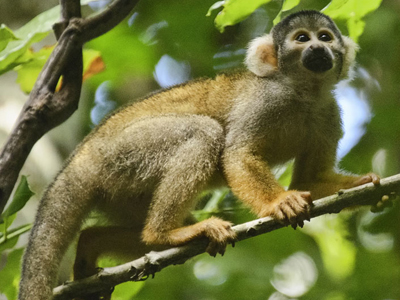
x=154, y=262
x=46, y=108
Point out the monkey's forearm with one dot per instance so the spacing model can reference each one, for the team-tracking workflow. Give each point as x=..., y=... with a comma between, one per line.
x=250, y=178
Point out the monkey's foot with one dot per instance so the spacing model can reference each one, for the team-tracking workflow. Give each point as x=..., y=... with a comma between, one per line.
x=219, y=234
x=367, y=178
x=375, y=179
x=292, y=208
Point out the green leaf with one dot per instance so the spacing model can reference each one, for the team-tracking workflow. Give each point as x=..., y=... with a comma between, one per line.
x=17, y=51
x=28, y=72
x=10, y=275
x=127, y=290
x=215, y=6
x=21, y=196
x=287, y=5
x=34, y=31
x=338, y=253
x=8, y=242
x=234, y=11
x=117, y=67
x=4, y=224
x=285, y=175
x=6, y=35
x=12, y=237
x=352, y=11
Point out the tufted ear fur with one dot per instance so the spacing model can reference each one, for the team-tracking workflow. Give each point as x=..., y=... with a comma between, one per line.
x=351, y=49
x=261, y=56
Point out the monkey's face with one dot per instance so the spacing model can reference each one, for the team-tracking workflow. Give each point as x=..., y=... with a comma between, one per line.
x=305, y=46
x=309, y=44
x=316, y=55
x=308, y=51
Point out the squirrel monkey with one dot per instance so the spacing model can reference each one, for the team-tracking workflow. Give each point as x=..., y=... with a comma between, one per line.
x=144, y=165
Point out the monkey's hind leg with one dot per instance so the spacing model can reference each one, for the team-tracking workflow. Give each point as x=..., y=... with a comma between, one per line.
x=186, y=172
x=95, y=242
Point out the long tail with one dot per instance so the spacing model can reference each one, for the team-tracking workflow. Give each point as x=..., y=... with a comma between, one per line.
x=60, y=214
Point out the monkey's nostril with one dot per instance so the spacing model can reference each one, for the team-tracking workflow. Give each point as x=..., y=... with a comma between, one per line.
x=317, y=49
x=317, y=59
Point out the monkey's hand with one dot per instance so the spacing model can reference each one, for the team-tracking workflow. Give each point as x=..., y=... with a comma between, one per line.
x=291, y=207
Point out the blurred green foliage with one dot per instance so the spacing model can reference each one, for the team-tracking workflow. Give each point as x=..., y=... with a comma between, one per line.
x=351, y=256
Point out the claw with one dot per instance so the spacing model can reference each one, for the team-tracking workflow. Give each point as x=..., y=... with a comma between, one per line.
x=301, y=224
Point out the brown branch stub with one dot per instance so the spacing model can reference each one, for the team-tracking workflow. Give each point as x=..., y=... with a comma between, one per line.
x=156, y=261
x=69, y=9
x=45, y=108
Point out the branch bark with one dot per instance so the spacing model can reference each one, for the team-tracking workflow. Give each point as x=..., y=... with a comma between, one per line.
x=153, y=262
x=46, y=108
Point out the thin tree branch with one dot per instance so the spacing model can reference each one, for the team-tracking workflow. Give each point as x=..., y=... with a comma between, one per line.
x=106, y=20
x=46, y=108
x=153, y=262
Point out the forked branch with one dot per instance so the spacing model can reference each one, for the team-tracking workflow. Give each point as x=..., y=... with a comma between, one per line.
x=46, y=108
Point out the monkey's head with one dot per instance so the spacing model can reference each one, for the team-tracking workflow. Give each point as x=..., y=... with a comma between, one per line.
x=306, y=43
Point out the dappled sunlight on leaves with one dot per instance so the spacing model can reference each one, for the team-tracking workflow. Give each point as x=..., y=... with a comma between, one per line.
x=295, y=275
x=209, y=272
x=169, y=72
x=377, y=242
x=337, y=252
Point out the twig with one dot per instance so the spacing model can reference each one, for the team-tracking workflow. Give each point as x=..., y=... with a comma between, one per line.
x=153, y=262
x=46, y=108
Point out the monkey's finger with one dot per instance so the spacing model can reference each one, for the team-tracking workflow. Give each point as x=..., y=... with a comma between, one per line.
x=215, y=248
x=290, y=213
x=300, y=223
x=212, y=249
x=280, y=216
x=298, y=205
x=307, y=197
x=307, y=204
x=300, y=218
x=286, y=213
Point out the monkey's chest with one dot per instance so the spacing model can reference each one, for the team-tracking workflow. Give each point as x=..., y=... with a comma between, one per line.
x=287, y=141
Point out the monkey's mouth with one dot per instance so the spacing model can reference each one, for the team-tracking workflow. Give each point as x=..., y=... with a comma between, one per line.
x=317, y=60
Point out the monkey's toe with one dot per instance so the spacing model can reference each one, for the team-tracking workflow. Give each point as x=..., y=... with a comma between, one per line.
x=370, y=177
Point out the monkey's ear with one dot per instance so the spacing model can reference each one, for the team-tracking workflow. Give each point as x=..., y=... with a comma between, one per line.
x=351, y=49
x=261, y=56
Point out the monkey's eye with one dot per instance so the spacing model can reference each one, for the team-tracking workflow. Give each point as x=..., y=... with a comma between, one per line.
x=325, y=37
x=302, y=37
